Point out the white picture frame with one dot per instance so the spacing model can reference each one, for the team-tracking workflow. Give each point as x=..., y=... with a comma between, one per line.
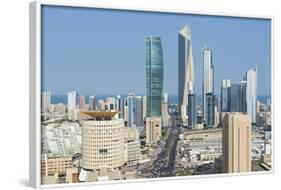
x=35, y=87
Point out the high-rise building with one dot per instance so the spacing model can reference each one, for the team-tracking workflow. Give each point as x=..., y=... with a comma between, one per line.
x=208, y=80
x=119, y=106
x=82, y=102
x=125, y=110
x=72, y=104
x=102, y=141
x=92, y=102
x=138, y=111
x=236, y=142
x=210, y=110
x=46, y=101
x=242, y=97
x=225, y=89
x=251, y=93
x=192, y=111
x=165, y=97
x=165, y=110
x=234, y=97
x=153, y=130
x=111, y=103
x=131, y=110
x=144, y=99
x=185, y=69
x=154, y=76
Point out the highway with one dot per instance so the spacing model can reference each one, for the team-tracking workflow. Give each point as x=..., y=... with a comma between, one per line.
x=163, y=166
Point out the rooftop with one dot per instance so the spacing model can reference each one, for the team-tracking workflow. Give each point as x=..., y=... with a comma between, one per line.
x=100, y=114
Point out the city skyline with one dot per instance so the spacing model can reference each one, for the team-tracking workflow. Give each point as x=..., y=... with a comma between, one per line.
x=60, y=61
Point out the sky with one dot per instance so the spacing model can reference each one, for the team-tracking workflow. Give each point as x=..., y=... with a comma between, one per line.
x=101, y=51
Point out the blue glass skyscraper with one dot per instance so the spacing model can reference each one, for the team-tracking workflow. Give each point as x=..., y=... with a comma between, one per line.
x=154, y=76
x=210, y=110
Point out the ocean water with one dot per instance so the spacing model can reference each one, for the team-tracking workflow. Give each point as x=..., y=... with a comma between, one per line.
x=173, y=99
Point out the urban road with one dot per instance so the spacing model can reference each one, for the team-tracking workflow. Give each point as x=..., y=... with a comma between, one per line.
x=163, y=166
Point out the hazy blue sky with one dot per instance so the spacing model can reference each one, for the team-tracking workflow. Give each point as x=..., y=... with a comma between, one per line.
x=98, y=51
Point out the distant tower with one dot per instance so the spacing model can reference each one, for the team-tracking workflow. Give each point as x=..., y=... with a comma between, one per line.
x=234, y=98
x=46, y=101
x=210, y=110
x=236, y=142
x=72, y=104
x=242, y=97
x=251, y=93
x=154, y=76
x=192, y=112
x=92, y=102
x=131, y=110
x=225, y=89
x=185, y=69
x=82, y=102
x=208, y=80
x=139, y=111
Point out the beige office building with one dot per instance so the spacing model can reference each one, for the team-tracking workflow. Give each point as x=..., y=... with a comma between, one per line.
x=102, y=141
x=236, y=143
x=153, y=129
x=52, y=165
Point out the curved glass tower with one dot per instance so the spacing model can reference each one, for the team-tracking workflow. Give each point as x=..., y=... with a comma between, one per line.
x=154, y=76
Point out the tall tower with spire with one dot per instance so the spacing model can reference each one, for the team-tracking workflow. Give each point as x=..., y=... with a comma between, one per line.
x=185, y=70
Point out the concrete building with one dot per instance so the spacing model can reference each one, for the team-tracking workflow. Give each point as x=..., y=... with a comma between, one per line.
x=60, y=108
x=111, y=104
x=132, y=152
x=102, y=141
x=46, y=101
x=185, y=69
x=165, y=114
x=52, y=165
x=154, y=76
x=153, y=130
x=82, y=102
x=131, y=134
x=236, y=143
x=251, y=94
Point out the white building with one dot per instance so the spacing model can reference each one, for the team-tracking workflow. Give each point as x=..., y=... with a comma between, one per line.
x=102, y=141
x=72, y=103
x=251, y=93
x=208, y=78
x=132, y=152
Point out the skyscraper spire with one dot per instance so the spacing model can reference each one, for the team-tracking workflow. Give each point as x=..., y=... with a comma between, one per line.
x=185, y=69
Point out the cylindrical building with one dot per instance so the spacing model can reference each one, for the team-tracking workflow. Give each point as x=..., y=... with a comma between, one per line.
x=102, y=141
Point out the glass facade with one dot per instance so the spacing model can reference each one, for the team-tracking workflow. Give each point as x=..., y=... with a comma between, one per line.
x=192, y=116
x=234, y=98
x=154, y=75
x=210, y=110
